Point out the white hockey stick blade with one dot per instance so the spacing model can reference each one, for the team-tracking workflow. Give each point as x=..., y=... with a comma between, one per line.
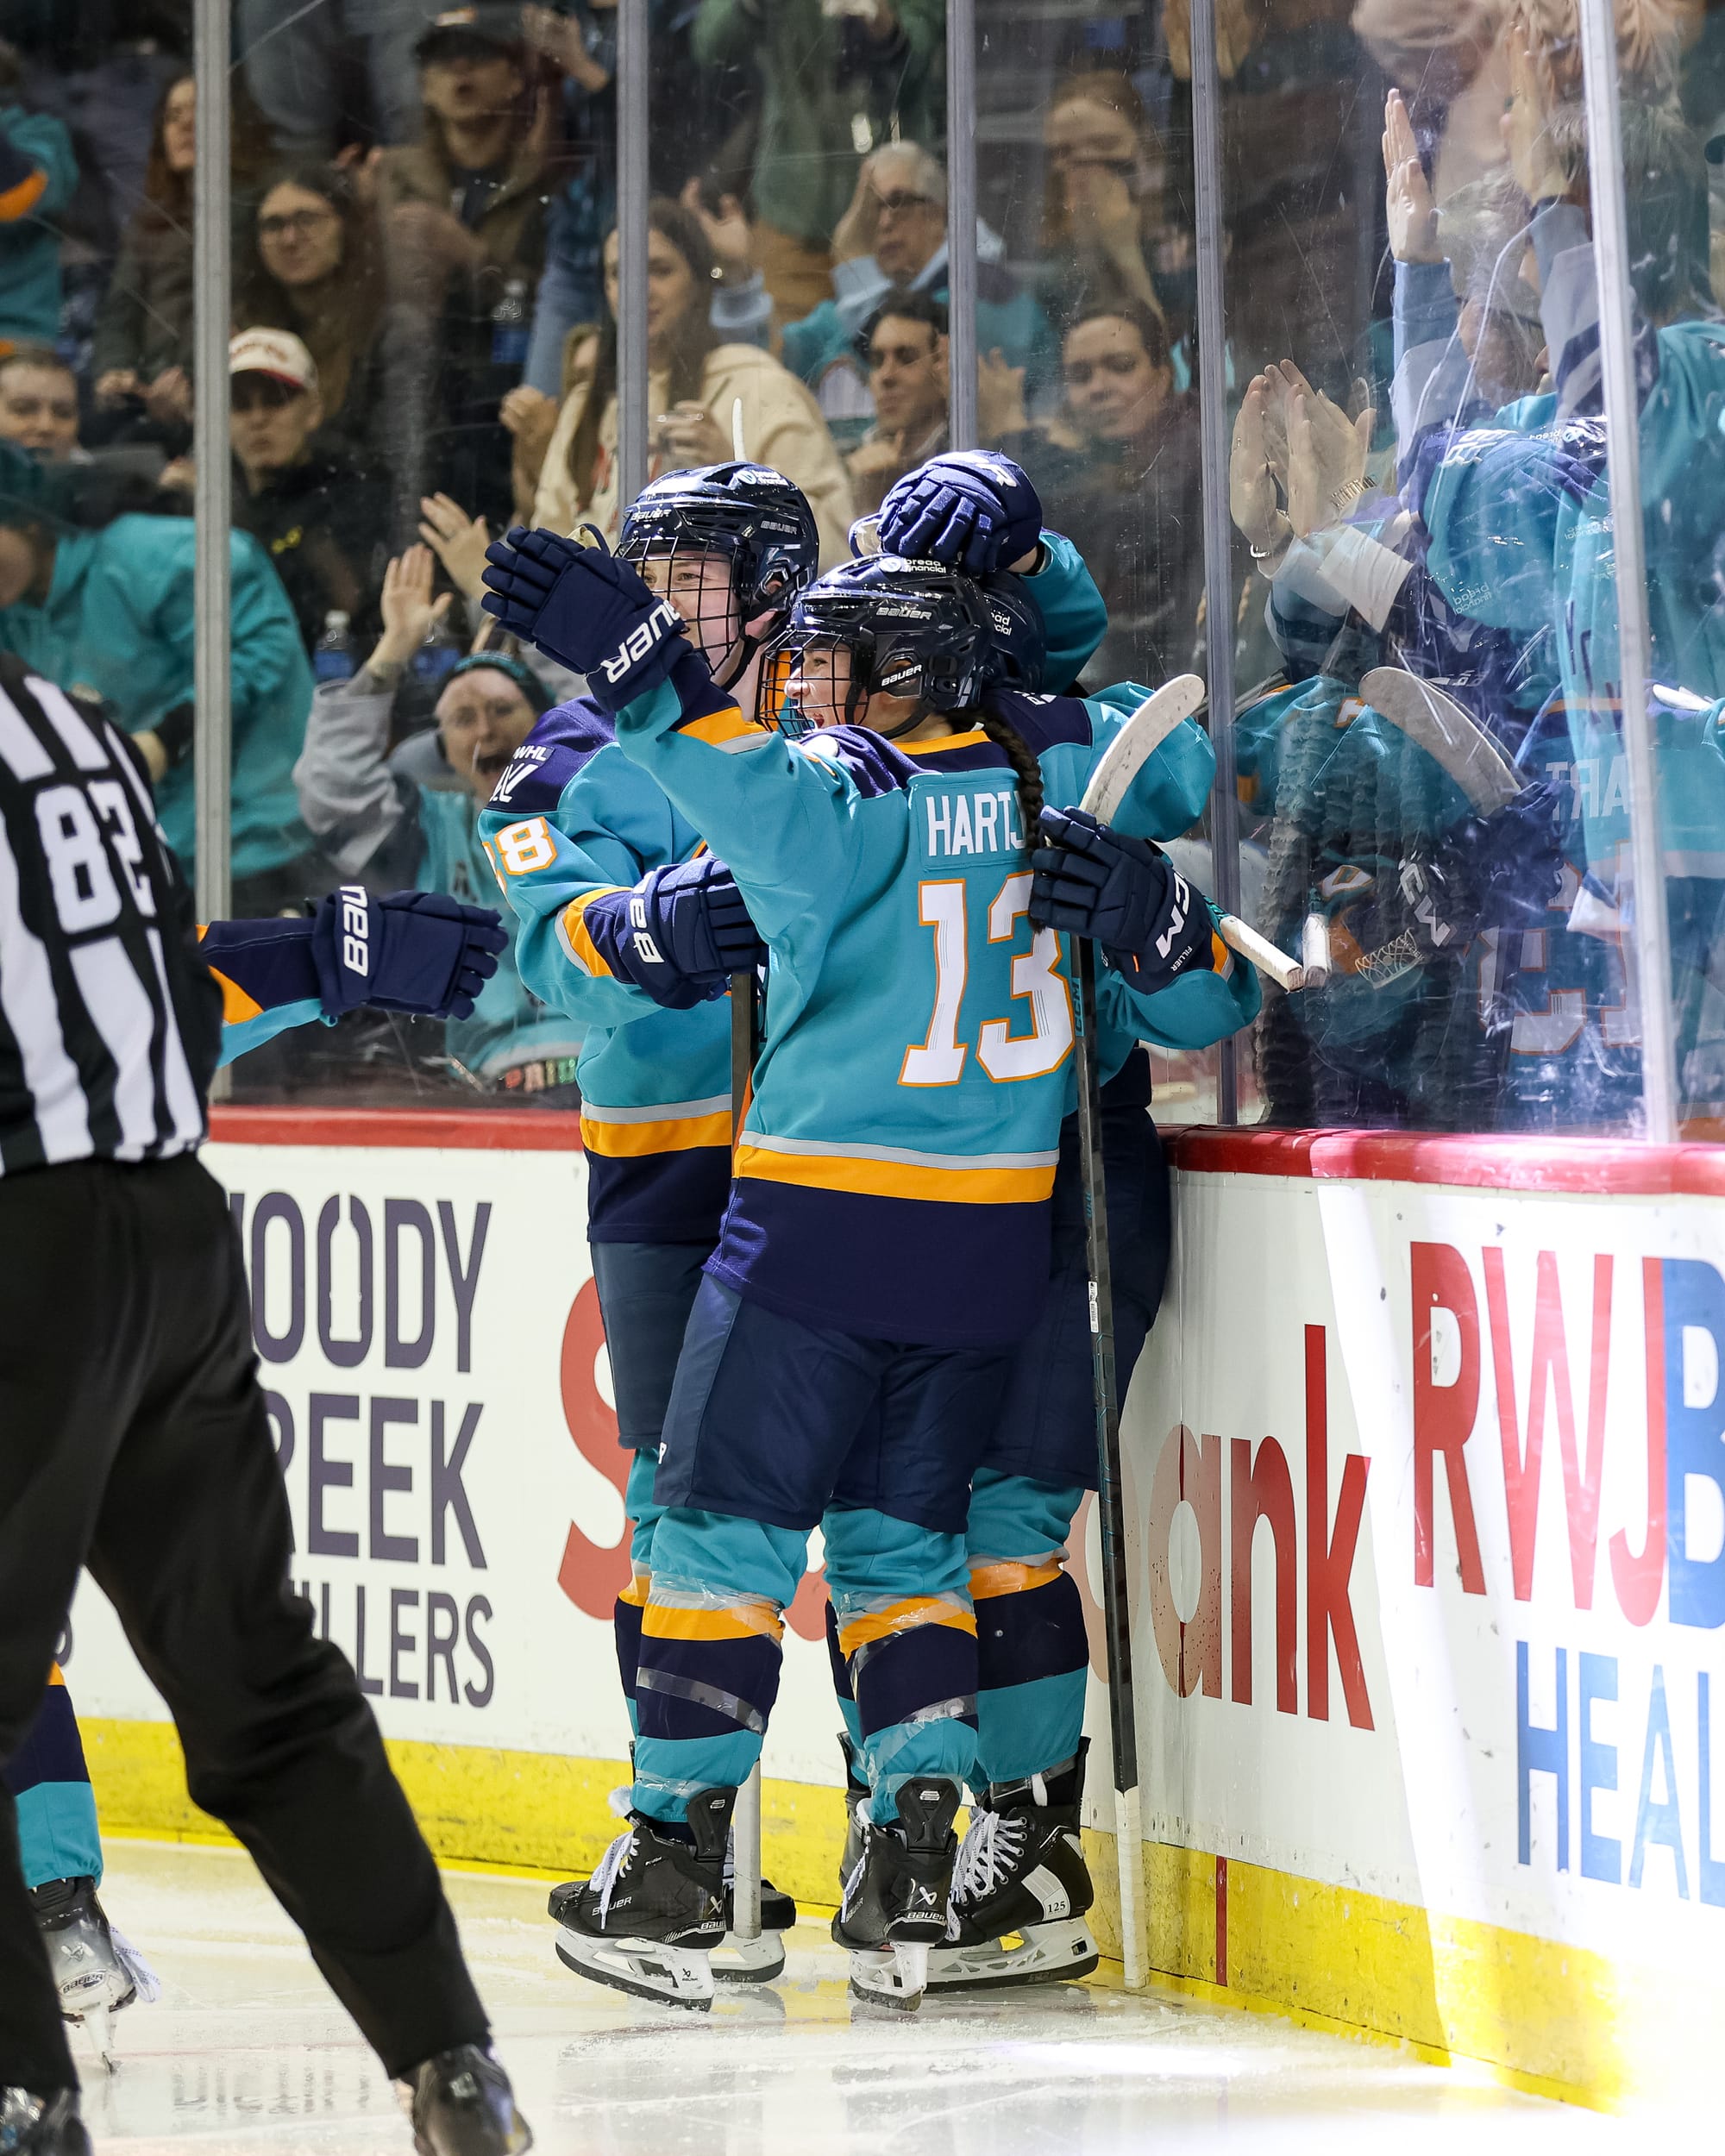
x=739, y=447
x=1138, y=741
x=1314, y=952
x=1275, y=965
x=1436, y=723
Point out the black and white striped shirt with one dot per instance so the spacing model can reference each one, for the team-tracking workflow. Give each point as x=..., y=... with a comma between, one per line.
x=110, y=1022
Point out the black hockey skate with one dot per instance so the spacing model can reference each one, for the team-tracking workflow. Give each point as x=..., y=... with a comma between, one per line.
x=461, y=2104
x=856, y=1796
x=649, y=1918
x=41, y=2126
x=96, y=1970
x=897, y=1899
x=1021, y=1871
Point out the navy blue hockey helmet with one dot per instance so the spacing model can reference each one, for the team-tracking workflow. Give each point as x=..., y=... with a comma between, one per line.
x=747, y=512
x=912, y=629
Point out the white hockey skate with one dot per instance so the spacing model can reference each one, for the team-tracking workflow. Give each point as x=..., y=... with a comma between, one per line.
x=1020, y=1877
x=898, y=1895
x=97, y=1970
x=649, y=1918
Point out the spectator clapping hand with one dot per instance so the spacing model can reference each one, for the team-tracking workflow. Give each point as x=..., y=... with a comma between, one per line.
x=688, y=435
x=1411, y=213
x=558, y=38
x=1533, y=161
x=999, y=397
x=1326, y=454
x=168, y=399
x=458, y=540
x=729, y=233
x=408, y=609
x=1253, y=473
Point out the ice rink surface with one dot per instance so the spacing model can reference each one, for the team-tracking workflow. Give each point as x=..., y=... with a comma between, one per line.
x=246, y=2050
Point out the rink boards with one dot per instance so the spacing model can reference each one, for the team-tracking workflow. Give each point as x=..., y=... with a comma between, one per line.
x=1426, y=1473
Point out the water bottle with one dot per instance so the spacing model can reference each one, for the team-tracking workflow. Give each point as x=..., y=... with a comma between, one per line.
x=435, y=656
x=510, y=323
x=332, y=659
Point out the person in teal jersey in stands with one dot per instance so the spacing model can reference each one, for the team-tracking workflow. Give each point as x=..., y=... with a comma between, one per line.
x=110, y=609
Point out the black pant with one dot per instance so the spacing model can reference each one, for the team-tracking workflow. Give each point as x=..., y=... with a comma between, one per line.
x=133, y=1438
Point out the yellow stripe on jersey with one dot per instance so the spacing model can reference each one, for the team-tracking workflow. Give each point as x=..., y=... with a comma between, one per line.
x=1007, y=1576
x=909, y=1615
x=581, y=946
x=669, y=1126
x=55, y=1676
x=718, y=728
x=640, y=1585
x=18, y=201
x=742, y=1620
x=877, y=1178
x=940, y=748
x=236, y=1006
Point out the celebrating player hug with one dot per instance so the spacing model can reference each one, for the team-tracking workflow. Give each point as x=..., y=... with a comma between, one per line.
x=877, y=819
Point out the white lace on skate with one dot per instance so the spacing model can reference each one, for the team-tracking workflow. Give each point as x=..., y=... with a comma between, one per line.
x=611, y=1867
x=994, y=1842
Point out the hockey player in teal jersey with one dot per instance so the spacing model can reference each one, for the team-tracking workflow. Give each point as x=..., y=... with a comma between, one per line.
x=823, y=1371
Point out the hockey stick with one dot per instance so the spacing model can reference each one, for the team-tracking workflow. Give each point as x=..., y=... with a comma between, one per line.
x=745, y=1820
x=1434, y=721
x=1126, y=756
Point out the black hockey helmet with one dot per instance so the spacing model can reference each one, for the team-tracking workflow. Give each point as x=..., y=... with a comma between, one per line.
x=747, y=512
x=1020, y=638
x=912, y=627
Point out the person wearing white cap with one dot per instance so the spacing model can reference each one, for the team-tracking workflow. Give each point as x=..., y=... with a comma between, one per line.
x=317, y=512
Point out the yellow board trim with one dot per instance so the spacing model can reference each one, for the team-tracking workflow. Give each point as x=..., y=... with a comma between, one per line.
x=1554, y=2020
x=896, y=1178
x=681, y=1135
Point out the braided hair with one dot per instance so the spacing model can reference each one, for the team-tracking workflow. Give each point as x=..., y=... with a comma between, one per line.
x=1026, y=770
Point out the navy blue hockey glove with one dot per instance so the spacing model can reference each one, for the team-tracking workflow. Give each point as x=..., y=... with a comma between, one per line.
x=971, y=508
x=414, y=950
x=695, y=915
x=1087, y=880
x=1510, y=865
x=587, y=609
x=680, y=933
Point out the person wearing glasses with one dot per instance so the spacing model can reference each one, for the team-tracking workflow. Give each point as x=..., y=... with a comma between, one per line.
x=892, y=238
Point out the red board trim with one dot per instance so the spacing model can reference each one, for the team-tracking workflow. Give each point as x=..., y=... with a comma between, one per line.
x=1599, y=1168
x=464, y=1130
x=1585, y=1167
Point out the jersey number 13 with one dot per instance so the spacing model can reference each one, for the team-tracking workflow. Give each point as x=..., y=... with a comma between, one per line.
x=938, y=1059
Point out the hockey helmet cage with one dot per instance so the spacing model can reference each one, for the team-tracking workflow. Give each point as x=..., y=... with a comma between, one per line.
x=912, y=628
x=747, y=512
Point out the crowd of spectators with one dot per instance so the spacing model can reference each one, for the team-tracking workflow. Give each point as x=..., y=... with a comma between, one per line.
x=424, y=351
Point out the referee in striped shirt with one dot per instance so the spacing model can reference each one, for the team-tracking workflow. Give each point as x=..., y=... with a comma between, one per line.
x=133, y=1435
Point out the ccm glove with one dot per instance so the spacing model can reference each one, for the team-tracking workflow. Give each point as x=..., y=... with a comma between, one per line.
x=972, y=508
x=591, y=611
x=1087, y=880
x=414, y=950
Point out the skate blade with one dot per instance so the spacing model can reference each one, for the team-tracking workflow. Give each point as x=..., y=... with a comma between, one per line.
x=673, y=1976
x=1047, y=1954
x=736, y=1960
x=892, y=1976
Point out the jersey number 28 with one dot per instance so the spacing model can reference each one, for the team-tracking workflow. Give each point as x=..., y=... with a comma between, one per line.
x=938, y=1059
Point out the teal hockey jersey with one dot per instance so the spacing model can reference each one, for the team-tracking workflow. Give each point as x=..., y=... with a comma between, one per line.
x=894, y=1168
